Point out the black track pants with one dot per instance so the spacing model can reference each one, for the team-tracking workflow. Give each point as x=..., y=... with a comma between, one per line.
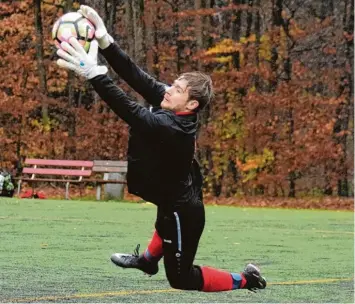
x=180, y=231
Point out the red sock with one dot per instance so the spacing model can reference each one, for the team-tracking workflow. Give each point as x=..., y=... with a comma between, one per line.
x=216, y=280
x=154, y=252
x=243, y=282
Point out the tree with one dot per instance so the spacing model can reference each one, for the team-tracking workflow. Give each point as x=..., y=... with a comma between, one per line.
x=281, y=123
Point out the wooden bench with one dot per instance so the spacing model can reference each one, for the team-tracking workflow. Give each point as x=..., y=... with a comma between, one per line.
x=51, y=170
x=102, y=169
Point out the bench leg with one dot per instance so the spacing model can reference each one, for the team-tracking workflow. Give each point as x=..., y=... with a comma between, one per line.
x=98, y=192
x=67, y=191
x=19, y=188
x=33, y=189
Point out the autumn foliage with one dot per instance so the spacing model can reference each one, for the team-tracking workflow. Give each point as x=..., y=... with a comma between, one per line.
x=281, y=123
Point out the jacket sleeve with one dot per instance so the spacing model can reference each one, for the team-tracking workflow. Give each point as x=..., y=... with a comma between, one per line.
x=138, y=117
x=147, y=86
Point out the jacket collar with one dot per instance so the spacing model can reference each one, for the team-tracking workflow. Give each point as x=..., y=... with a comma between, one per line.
x=185, y=113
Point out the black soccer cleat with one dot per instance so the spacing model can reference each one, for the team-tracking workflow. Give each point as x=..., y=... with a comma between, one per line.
x=135, y=260
x=254, y=279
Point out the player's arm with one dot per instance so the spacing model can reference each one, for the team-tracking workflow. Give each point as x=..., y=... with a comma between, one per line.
x=73, y=57
x=139, y=118
x=147, y=86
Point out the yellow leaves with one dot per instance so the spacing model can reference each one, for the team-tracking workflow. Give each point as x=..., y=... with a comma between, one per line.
x=35, y=123
x=226, y=59
x=43, y=126
x=245, y=40
x=265, y=47
x=254, y=164
x=226, y=46
x=229, y=46
x=252, y=89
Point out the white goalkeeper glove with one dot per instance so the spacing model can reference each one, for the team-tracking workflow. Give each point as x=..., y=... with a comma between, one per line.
x=103, y=38
x=74, y=57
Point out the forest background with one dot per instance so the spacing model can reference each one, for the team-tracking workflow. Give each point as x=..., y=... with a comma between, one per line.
x=281, y=124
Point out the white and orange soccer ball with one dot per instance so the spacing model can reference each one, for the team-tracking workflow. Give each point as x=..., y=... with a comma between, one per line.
x=73, y=25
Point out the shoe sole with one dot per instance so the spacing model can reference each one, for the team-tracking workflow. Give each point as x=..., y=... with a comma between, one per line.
x=115, y=259
x=262, y=279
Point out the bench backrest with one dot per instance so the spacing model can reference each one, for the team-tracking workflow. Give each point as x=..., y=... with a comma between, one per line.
x=109, y=166
x=76, y=168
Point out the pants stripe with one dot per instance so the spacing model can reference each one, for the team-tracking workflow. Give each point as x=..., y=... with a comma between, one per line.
x=178, y=231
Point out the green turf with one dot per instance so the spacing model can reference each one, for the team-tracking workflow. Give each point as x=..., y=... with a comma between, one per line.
x=59, y=251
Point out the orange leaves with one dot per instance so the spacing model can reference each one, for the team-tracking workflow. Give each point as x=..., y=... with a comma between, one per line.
x=295, y=31
x=251, y=164
x=329, y=50
x=278, y=91
x=348, y=36
x=255, y=164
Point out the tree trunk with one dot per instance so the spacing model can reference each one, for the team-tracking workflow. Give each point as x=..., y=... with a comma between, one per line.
x=139, y=32
x=40, y=61
x=346, y=109
x=68, y=7
x=276, y=23
x=287, y=69
x=236, y=33
x=69, y=147
x=257, y=31
x=152, y=59
x=111, y=16
x=176, y=34
x=327, y=8
x=99, y=6
x=198, y=31
x=249, y=18
x=22, y=119
x=130, y=28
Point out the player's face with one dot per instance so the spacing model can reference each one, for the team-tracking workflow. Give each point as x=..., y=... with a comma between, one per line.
x=176, y=97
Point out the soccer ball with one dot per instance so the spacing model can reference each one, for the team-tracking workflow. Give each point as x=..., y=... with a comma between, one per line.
x=73, y=25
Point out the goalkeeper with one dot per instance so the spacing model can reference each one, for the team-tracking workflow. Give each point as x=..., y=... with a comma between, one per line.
x=161, y=164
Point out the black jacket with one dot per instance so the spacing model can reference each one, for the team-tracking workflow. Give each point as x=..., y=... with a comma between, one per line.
x=161, y=165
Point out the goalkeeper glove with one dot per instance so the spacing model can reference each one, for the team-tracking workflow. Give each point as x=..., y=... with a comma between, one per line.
x=74, y=57
x=103, y=38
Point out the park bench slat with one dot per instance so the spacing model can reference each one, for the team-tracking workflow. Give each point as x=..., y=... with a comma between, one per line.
x=65, y=172
x=28, y=179
x=56, y=162
x=109, y=169
x=110, y=163
x=107, y=181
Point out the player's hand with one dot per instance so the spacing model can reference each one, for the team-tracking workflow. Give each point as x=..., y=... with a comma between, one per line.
x=103, y=38
x=73, y=57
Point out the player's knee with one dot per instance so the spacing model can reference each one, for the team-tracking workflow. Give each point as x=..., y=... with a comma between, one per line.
x=178, y=284
x=181, y=282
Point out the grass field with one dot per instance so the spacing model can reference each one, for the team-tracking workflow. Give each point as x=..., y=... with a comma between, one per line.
x=59, y=251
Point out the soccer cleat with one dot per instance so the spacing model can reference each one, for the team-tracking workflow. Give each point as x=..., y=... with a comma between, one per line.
x=135, y=260
x=254, y=279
